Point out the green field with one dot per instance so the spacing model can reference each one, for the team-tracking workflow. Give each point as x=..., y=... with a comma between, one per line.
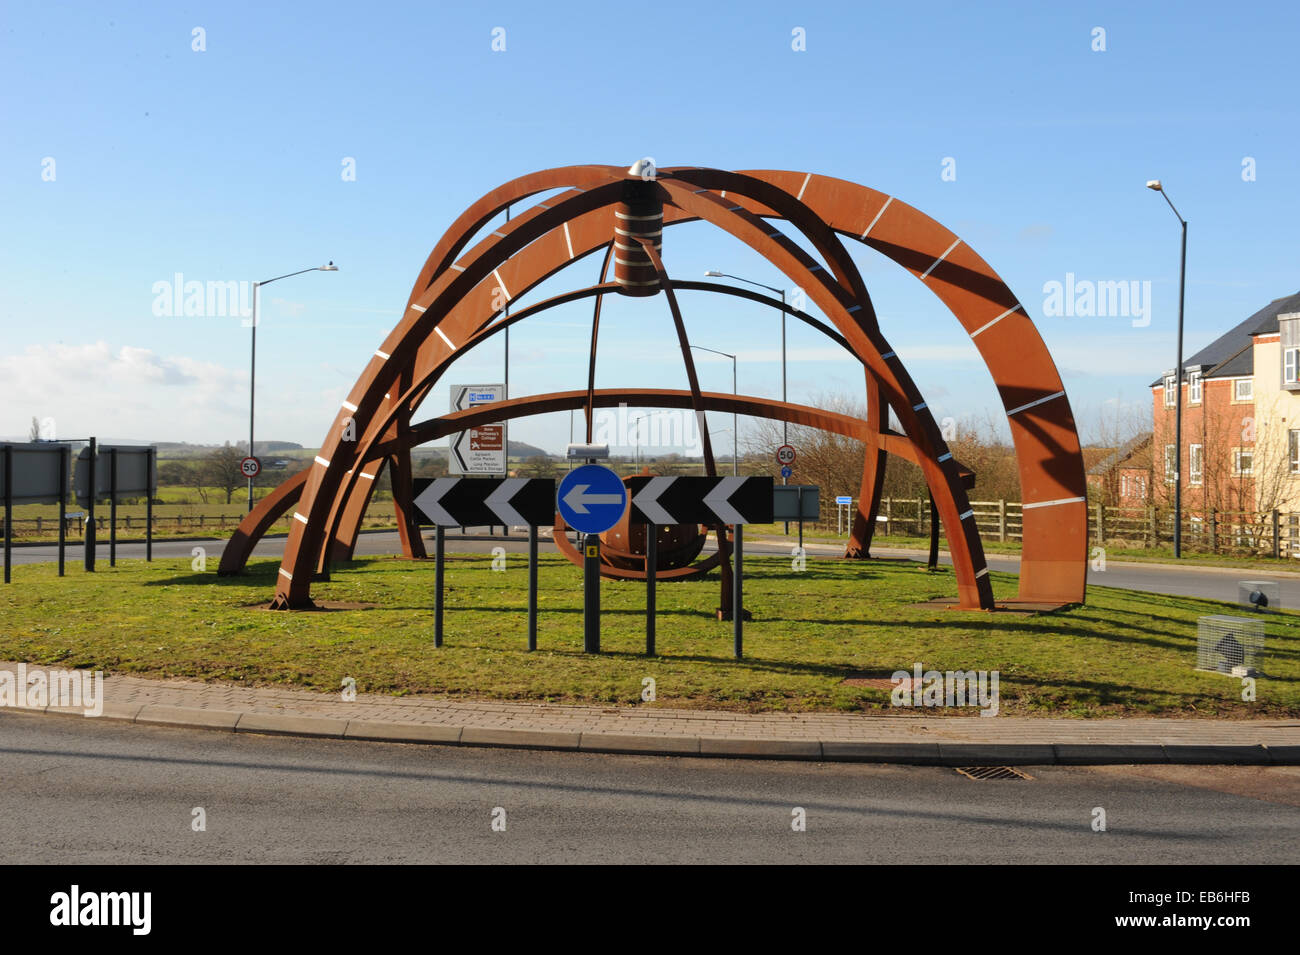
x=1122, y=654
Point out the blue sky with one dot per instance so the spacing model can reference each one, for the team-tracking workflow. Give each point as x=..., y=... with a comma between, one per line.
x=225, y=164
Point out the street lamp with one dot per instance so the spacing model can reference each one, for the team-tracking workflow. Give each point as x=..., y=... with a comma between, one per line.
x=252, y=356
x=734, y=392
x=637, y=421
x=1154, y=184
x=785, y=425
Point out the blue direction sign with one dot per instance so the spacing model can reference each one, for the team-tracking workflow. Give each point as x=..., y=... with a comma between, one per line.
x=844, y=499
x=787, y=471
x=591, y=499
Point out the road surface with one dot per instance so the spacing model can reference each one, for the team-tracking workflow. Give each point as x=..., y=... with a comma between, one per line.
x=84, y=791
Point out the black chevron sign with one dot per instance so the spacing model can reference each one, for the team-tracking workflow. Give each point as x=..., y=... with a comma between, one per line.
x=701, y=500
x=473, y=502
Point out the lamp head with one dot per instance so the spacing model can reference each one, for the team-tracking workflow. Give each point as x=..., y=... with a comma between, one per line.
x=1154, y=184
x=712, y=274
x=328, y=268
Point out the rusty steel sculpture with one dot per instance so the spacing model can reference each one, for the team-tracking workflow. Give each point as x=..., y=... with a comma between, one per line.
x=463, y=296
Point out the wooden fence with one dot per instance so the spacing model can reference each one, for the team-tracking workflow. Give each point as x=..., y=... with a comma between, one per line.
x=1274, y=533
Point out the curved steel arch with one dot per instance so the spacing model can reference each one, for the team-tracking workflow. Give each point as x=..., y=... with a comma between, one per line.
x=447, y=285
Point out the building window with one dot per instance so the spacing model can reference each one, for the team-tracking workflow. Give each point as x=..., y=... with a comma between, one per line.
x=1197, y=461
x=1293, y=450
x=1171, y=462
x=1243, y=462
x=1140, y=483
x=1194, y=388
x=1243, y=389
x=1290, y=358
x=1170, y=391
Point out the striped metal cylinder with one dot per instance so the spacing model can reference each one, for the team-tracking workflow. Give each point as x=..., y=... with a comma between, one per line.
x=639, y=216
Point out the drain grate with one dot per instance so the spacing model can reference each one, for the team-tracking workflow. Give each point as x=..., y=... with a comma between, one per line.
x=991, y=772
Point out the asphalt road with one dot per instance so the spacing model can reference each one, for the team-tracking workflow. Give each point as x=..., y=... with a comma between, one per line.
x=81, y=791
x=1187, y=580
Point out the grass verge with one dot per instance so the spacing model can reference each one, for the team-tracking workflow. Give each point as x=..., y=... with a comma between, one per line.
x=1123, y=653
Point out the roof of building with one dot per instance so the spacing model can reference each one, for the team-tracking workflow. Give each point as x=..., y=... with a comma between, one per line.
x=1121, y=454
x=1231, y=354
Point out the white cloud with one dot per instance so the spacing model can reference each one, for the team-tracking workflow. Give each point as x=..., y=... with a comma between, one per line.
x=123, y=392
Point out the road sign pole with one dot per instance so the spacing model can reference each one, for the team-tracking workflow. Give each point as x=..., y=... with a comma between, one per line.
x=591, y=594
x=152, y=465
x=9, y=506
x=112, y=507
x=532, y=586
x=90, y=508
x=438, y=543
x=651, y=566
x=799, y=492
x=64, y=465
x=737, y=605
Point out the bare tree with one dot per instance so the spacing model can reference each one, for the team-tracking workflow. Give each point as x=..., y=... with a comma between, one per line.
x=223, y=470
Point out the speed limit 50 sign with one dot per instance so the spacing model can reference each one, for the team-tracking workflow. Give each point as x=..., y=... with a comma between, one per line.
x=785, y=454
x=251, y=467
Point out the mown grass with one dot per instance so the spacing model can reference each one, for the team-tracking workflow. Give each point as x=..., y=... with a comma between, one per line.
x=1122, y=654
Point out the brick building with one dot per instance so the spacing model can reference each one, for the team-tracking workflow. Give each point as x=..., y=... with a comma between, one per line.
x=1123, y=477
x=1241, y=419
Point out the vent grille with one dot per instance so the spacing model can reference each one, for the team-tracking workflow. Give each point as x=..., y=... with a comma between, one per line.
x=992, y=772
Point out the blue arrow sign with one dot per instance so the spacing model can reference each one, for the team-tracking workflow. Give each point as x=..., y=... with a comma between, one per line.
x=787, y=471
x=591, y=499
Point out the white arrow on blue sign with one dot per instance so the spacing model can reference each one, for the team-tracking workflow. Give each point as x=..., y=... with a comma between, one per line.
x=844, y=499
x=591, y=499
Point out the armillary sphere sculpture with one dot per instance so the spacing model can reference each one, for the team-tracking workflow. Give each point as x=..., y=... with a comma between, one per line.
x=464, y=295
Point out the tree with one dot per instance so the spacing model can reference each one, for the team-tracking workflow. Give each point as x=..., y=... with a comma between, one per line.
x=35, y=433
x=539, y=466
x=223, y=470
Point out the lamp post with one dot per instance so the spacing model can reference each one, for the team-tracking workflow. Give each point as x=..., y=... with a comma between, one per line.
x=637, y=421
x=734, y=392
x=1154, y=184
x=252, y=356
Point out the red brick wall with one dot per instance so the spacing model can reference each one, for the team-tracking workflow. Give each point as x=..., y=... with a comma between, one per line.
x=1219, y=426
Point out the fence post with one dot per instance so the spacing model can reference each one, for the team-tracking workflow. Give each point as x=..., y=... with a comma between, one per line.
x=889, y=516
x=920, y=518
x=1101, y=524
x=1153, y=533
x=38, y=525
x=1214, y=530
x=1002, y=520
x=1276, y=541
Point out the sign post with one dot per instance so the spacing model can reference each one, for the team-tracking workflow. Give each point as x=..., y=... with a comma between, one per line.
x=785, y=456
x=65, y=465
x=734, y=501
x=532, y=586
x=90, y=506
x=112, y=507
x=480, y=450
x=438, y=544
x=463, y=502
x=651, y=567
x=591, y=499
x=9, y=507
